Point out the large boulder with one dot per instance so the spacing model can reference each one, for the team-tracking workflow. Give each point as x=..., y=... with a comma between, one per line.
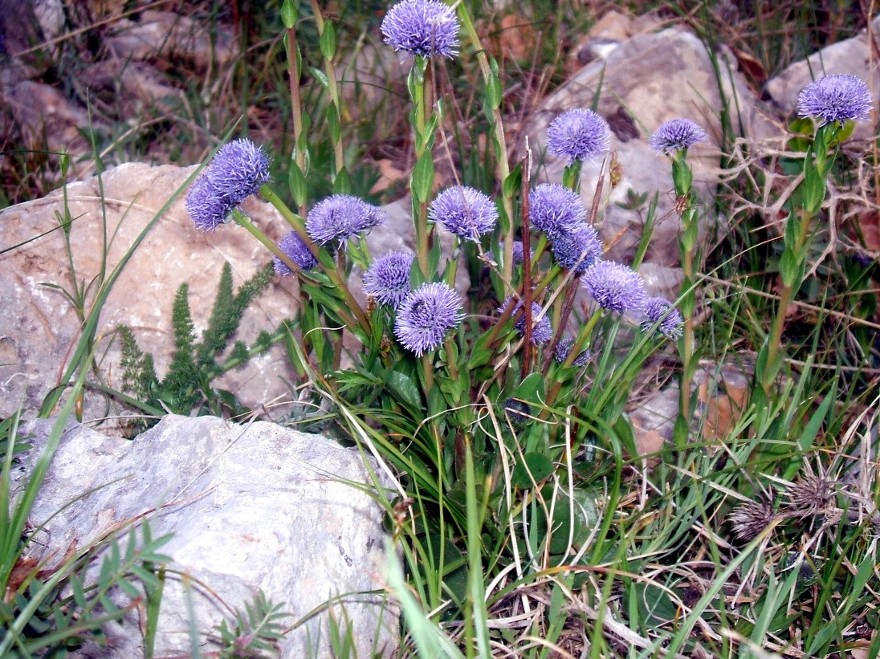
x=640, y=83
x=41, y=326
x=251, y=507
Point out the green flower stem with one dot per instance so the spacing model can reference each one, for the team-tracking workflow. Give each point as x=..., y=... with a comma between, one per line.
x=489, y=71
x=571, y=176
x=810, y=194
x=682, y=179
x=294, y=67
x=326, y=30
x=422, y=179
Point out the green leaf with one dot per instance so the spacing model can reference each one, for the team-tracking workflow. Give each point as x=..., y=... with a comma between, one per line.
x=328, y=41
x=296, y=180
x=513, y=182
x=404, y=386
x=531, y=470
x=333, y=125
x=288, y=13
x=320, y=76
x=423, y=177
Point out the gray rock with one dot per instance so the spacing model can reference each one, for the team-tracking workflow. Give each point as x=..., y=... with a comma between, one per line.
x=646, y=80
x=251, y=507
x=40, y=328
x=852, y=56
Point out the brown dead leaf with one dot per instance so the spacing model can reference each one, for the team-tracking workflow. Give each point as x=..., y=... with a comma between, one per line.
x=388, y=176
x=23, y=568
x=723, y=409
x=514, y=37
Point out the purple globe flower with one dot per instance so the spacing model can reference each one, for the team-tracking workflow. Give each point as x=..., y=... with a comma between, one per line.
x=422, y=27
x=237, y=171
x=388, y=278
x=676, y=135
x=297, y=251
x=425, y=315
x=464, y=211
x=563, y=350
x=542, y=330
x=659, y=310
x=578, y=135
x=340, y=217
x=578, y=248
x=835, y=98
x=518, y=252
x=614, y=286
x=554, y=209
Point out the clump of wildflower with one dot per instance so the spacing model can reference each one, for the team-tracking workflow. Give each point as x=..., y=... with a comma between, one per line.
x=676, y=135
x=297, y=251
x=563, y=350
x=237, y=171
x=835, y=98
x=464, y=211
x=388, y=278
x=750, y=518
x=554, y=209
x=577, y=248
x=614, y=286
x=340, y=217
x=425, y=315
x=659, y=310
x=578, y=135
x=426, y=28
x=542, y=330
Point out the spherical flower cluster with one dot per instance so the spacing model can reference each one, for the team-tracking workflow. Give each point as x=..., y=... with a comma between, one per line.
x=835, y=98
x=464, y=211
x=426, y=28
x=519, y=252
x=578, y=248
x=554, y=209
x=659, y=310
x=614, y=286
x=340, y=217
x=563, y=350
x=676, y=135
x=237, y=171
x=542, y=330
x=578, y=135
x=297, y=251
x=425, y=315
x=388, y=278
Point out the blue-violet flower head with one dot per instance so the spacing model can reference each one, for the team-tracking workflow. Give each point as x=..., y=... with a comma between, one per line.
x=387, y=279
x=554, y=209
x=614, y=286
x=422, y=27
x=563, y=350
x=464, y=211
x=297, y=251
x=578, y=134
x=339, y=217
x=660, y=310
x=237, y=171
x=425, y=315
x=578, y=248
x=835, y=98
x=676, y=135
x=542, y=330
x=519, y=252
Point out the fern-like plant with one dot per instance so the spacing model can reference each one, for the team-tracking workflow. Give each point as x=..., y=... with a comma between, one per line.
x=195, y=363
x=254, y=633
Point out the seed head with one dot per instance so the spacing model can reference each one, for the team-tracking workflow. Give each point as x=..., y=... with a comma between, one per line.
x=750, y=518
x=563, y=350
